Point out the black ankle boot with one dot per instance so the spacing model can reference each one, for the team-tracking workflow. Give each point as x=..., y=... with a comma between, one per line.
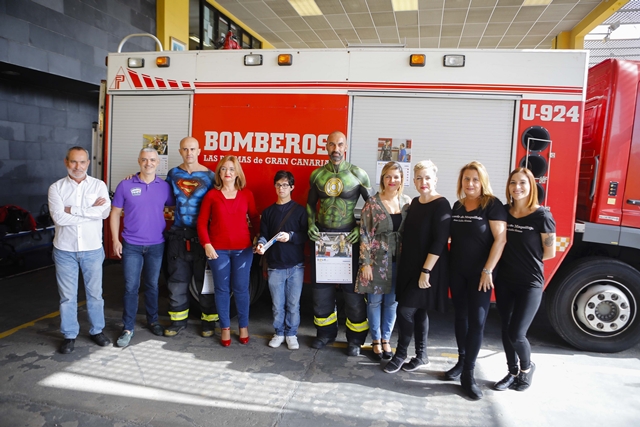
x=454, y=373
x=469, y=385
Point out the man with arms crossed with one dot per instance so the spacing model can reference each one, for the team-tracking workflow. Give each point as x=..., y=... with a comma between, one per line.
x=78, y=204
x=143, y=198
x=337, y=187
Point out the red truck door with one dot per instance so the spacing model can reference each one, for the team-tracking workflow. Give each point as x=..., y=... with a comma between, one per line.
x=631, y=201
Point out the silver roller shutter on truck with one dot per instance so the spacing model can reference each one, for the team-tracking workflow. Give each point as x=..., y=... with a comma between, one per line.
x=136, y=115
x=449, y=130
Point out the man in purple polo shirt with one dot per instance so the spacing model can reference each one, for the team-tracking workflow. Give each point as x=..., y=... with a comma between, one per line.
x=143, y=198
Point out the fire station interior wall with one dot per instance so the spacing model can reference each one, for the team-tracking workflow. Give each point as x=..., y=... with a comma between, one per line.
x=134, y=116
x=451, y=132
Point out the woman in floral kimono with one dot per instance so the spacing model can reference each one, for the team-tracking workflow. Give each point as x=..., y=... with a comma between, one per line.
x=382, y=216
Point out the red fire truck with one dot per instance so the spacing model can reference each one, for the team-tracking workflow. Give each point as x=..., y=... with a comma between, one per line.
x=275, y=108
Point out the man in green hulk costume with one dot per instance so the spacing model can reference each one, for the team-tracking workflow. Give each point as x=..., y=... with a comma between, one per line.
x=337, y=187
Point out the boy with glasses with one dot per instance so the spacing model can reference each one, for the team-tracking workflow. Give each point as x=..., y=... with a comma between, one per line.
x=286, y=221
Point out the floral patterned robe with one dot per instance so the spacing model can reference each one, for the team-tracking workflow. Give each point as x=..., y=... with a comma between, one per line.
x=378, y=244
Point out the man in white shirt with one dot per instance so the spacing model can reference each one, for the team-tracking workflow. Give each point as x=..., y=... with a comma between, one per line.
x=78, y=204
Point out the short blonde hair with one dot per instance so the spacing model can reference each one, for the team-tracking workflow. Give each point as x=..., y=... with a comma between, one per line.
x=241, y=181
x=533, y=192
x=385, y=169
x=425, y=164
x=486, y=193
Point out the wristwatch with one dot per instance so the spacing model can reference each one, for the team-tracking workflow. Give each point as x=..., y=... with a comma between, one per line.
x=426, y=271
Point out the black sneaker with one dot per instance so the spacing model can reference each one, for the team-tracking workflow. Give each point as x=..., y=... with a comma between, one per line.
x=413, y=364
x=156, y=329
x=67, y=346
x=394, y=365
x=100, y=339
x=525, y=379
x=509, y=381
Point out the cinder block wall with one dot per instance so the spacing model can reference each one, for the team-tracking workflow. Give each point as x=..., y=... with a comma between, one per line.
x=37, y=126
x=58, y=48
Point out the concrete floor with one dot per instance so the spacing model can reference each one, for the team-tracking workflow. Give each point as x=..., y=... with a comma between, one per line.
x=192, y=381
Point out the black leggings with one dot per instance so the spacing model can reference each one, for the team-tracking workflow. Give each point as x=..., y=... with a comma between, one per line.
x=471, y=308
x=412, y=320
x=517, y=305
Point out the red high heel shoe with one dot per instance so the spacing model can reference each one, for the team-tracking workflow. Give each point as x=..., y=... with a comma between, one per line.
x=225, y=343
x=244, y=340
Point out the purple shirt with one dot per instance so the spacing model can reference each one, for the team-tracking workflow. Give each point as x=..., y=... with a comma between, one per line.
x=143, y=206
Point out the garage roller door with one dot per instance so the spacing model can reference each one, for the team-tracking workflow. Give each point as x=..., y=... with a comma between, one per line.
x=135, y=116
x=449, y=131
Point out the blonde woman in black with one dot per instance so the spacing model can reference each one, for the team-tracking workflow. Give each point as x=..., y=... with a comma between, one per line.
x=478, y=235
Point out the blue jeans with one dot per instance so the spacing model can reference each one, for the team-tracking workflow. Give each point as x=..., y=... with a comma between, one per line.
x=231, y=272
x=68, y=265
x=147, y=260
x=383, y=306
x=286, y=287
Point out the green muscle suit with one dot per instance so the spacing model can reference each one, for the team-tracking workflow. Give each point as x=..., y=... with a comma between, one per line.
x=336, y=187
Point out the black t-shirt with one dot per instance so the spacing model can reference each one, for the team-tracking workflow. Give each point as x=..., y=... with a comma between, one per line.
x=521, y=262
x=471, y=236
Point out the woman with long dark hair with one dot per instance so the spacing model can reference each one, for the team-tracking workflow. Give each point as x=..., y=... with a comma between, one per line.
x=531, y=239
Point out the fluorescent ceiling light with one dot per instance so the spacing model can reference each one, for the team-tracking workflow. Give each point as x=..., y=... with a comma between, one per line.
x=536, y=2
x=400, y=5
x=306, y=7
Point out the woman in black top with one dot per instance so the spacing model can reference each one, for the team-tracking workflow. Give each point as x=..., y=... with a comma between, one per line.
x=478, y=235
x=531, y=239
x=422, y=273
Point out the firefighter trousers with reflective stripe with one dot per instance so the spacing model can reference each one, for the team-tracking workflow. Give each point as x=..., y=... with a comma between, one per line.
x=326, y=319
x=186, y=263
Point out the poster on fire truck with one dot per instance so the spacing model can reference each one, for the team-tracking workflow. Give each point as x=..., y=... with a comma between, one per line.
x=394, y=150
x=160, y=144
x=333, y=258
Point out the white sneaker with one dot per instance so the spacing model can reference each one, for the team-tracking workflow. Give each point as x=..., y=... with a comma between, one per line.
x=276, y=341
x=292, y=342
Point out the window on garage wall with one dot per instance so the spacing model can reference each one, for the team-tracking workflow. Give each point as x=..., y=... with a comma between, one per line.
x=208, y=27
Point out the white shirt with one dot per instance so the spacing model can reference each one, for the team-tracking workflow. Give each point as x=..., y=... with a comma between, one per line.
x=80, y=230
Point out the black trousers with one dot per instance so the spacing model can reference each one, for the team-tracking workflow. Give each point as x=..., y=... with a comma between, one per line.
x=518, y=306
x=471, y=310
x=324, y=304
x=324, y=307
x=186, y=261
x=412, y=321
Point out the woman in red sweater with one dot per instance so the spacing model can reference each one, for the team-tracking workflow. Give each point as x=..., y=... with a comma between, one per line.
x=227, y=241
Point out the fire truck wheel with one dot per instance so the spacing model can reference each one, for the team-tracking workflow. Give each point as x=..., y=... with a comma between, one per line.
x=593, y=305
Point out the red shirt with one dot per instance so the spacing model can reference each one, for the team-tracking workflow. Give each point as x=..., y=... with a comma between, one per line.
x=223, y=222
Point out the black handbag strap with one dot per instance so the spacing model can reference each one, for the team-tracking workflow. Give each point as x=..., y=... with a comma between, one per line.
x=286, y=217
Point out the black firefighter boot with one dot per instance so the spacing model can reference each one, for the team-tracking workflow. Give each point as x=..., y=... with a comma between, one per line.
x=469, y=385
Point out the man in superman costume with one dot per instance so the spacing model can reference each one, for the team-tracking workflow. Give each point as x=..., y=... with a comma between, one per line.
x=185, y=256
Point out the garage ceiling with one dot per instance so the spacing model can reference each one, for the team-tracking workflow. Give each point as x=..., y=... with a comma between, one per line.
x=437, y=23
